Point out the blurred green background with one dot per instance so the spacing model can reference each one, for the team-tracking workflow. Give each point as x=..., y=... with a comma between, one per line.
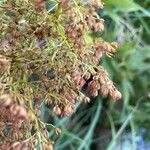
x=105, y=124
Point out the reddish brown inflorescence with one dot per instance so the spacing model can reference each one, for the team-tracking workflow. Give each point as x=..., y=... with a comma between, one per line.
x=48, y=57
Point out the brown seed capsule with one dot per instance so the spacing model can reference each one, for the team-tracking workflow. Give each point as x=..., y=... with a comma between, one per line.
x=116, y=95
x=22, y=114
x=87, y=99
x=105, y=90
x=4, y=64
x=87, y=76
x=67, y=110
x=93, y=93
x=35, y=142
x=57, y=131
x=5, y=100
x=45, y=133
x=14, y=109
x=96, y=3
x=57, y=110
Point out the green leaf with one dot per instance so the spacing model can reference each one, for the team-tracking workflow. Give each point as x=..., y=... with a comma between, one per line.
x=123, y=5
x=127, y=89
x=137, y=61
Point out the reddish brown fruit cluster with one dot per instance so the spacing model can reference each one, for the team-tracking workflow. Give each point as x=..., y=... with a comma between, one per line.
x=48, y=58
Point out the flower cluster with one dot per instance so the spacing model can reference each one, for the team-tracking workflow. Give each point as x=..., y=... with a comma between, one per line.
x=48, y=56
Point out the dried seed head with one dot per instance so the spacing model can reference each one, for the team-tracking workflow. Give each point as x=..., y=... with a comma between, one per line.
x=14, y=109
x=105, y=89
x=58, y=131
x=116, y=95
x=22, y=114
x=37, y=112
x=45, y=133
x=87, y=76
x=87, y=99
x=4, y=64
x=94, y=93
x=93, y=87
x=96, y=3
x=18, y=111
x=78, y=79
x=97, y=55
x=35, y=142
x=57, y=110
x=5, y=100
x=67, y=110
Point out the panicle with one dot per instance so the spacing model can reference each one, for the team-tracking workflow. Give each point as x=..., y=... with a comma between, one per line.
x=48, y=58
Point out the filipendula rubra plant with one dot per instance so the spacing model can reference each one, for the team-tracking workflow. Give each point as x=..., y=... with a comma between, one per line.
x=48, y=56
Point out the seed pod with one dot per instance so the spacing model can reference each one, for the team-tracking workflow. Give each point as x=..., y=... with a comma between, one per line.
x=87, y=76
x=45, y=133
x=87, y=99
x=116, y=95
x=105, y=90
x=4, y=64
x=67, y=110
x=22, y=114
x=5, y=100
x=57, y=110
x=57, y=131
